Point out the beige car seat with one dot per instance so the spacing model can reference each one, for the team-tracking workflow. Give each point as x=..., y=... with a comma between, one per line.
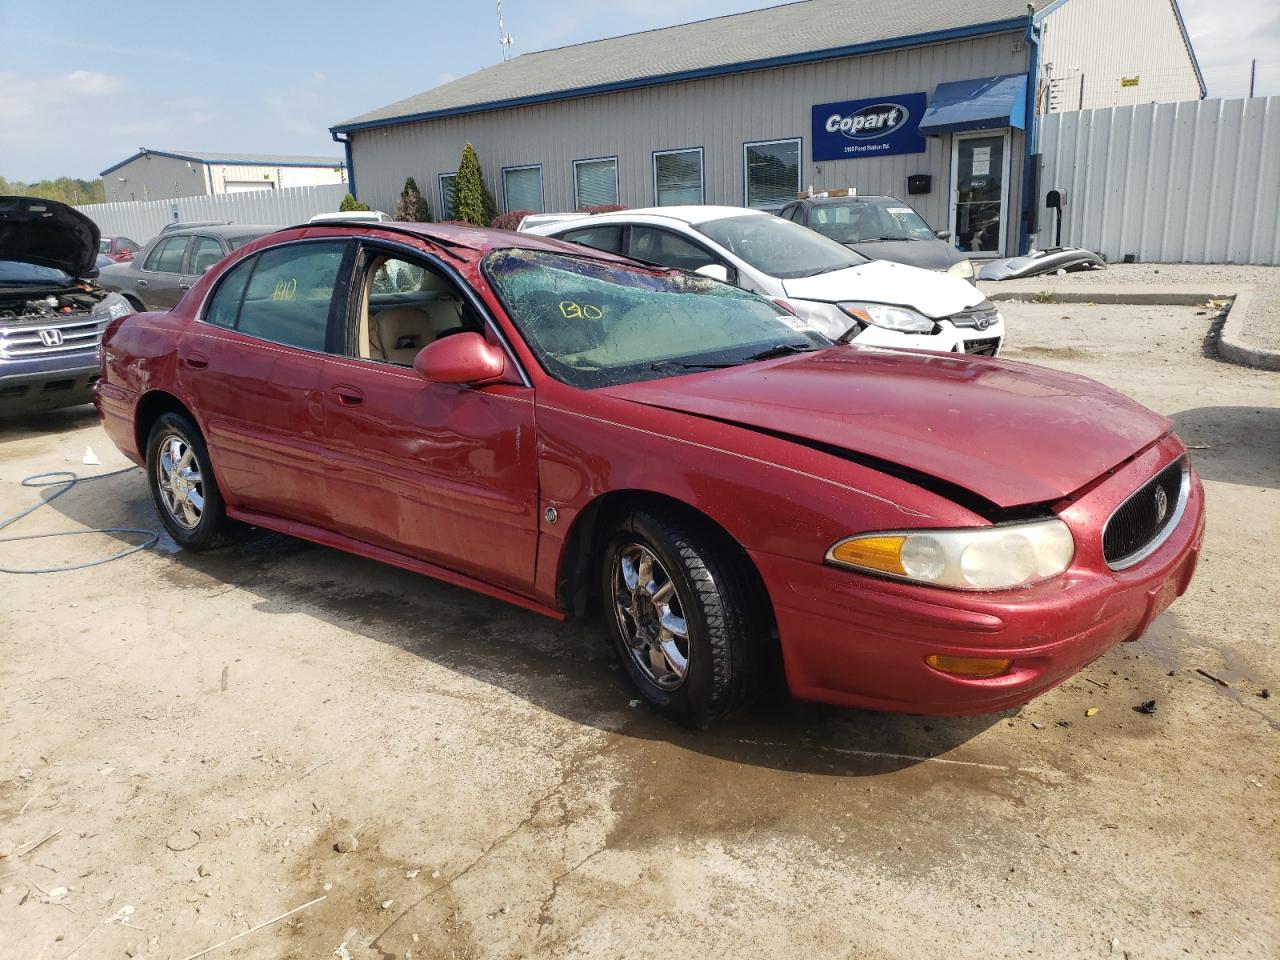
x=396, y=334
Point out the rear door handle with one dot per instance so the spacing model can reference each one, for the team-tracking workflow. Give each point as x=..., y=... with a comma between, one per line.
x=348, y=396
x=197, y=361
x=184, y=286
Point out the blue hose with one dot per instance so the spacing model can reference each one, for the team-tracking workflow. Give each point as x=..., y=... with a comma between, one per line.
x=41, y=480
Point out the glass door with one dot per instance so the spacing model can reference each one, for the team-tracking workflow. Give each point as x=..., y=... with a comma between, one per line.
x=980, y=192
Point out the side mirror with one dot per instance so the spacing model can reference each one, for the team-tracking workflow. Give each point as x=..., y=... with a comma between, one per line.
x=716, y=271
x=461, y=358
x=944, y=234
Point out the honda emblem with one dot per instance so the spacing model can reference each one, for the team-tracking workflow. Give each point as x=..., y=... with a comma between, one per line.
x=51, y=338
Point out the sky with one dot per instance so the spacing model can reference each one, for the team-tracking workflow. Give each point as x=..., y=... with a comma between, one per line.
x=85, y=88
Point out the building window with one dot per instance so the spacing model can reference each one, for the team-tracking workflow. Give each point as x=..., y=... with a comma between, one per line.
x=522, y=188
x=447, y=183
x=677, y=177
x=595, y=182
x=771, y=172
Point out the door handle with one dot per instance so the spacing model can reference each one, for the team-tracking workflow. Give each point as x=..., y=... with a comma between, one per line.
x=196, y=361
x=348, y=396
x=140, y=283
x=184, y=286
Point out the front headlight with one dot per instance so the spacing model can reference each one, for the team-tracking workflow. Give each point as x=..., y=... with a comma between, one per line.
x=112, y=306
x=963, y=269
x=982, y=558
x=902, y=319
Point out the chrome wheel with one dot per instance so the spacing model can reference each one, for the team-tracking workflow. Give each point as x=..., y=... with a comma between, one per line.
x=650, y=616
x=179, y=481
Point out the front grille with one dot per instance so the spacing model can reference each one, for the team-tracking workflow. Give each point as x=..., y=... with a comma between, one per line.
x=982, y=348
x=980, y=317
x=1142, y=522
x=74, y=333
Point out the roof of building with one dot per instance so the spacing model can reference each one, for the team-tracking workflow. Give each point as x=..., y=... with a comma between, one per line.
x=800, y=32
x=237, y=159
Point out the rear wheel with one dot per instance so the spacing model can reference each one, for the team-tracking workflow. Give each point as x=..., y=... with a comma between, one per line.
x=683, y=616
x=183, y=486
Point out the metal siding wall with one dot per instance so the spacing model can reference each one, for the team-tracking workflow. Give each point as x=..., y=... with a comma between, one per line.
x=1108, y=40
x=155, y=178
x=719, y=114
x=1190, y=182
x=140, y=221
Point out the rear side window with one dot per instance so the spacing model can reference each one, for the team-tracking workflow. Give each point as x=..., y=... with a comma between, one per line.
x=288, y=297
x=224, y=307
x=167, y=256
x=204, y=254
x=659, y=246
x=601, y=238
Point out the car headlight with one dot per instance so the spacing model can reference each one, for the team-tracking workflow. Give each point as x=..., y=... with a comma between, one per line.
x=981, y=558
x=963, y=269
x=903, y=319
x=112, y=306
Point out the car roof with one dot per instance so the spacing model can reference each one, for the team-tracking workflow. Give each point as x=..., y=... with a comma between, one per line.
x=857, y=198
x=227, y=231
x=688, y=215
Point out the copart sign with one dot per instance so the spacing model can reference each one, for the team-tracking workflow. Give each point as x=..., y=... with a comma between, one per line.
x=876, y=127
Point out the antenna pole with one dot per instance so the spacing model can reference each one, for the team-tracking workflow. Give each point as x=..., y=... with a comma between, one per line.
x=504, y=38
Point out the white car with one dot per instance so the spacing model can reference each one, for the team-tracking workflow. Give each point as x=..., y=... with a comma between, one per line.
x=831, y=288
x=528, y=223
x=363, y=216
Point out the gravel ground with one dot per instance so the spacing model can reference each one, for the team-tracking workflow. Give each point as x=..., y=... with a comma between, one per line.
x=185, y=738
x=1263, y=325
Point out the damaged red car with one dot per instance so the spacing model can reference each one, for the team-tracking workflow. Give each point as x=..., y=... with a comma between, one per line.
x=746, y=502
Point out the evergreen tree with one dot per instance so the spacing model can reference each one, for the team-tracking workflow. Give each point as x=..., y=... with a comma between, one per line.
x=472, y=201
x=412, y=206
x=350, y=203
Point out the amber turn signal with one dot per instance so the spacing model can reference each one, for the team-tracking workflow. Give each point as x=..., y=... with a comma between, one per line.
x=871, y=553
x=969, y=666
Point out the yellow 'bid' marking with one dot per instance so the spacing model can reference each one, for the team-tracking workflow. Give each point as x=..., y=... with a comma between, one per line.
x=286, y=289
x=573, y=311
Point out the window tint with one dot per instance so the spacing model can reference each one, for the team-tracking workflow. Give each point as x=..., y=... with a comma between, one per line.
x=677, y=177
x=225, y=303
x=289, y=294
x=595, y=182
x=772, y=172
x=659, y=246
x=167, y=255
x=602, y=238
x=522, y=188
x=205, y=252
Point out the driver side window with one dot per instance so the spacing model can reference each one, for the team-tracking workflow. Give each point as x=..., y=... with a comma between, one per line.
x=405, y=306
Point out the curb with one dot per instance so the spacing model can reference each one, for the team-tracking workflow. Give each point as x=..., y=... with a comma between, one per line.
x=1231, y=344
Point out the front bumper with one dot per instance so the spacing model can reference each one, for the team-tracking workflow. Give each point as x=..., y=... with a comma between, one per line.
x=861, y=641
x=46, y=383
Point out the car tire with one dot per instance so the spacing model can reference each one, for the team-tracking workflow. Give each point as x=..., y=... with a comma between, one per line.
x=183, y=486
x=698, y=582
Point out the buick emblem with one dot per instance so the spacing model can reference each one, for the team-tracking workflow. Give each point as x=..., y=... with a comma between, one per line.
x=50, y=337
x=1162, y=505
x=982, y=323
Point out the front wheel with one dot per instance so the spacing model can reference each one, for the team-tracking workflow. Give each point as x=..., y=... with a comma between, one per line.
x=183, y=486
x=683, y=616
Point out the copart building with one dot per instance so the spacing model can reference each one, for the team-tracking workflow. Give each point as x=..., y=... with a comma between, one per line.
x=935, y=101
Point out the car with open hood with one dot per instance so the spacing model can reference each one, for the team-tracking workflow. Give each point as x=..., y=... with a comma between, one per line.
x=746, y=504
x=52, y=310
x=837, y=291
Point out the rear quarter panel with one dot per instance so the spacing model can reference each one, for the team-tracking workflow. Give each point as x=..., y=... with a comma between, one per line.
x=139, y=355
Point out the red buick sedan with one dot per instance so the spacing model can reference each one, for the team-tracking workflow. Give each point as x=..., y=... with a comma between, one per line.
x=745, y=500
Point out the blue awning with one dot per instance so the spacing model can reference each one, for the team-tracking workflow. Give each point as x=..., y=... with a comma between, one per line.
x=987, y=103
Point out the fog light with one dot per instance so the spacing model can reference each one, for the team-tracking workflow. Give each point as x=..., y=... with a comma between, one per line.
x=969, y=666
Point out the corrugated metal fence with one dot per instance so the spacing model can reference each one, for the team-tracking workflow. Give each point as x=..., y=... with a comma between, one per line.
x=140, y=220
x=1190, y=182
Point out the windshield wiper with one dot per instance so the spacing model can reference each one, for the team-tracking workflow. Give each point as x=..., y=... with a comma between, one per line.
x=679, y=365
x=778, y=350
x=781, y=350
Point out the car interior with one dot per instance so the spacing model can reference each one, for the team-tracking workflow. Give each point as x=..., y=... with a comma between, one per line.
x=407, y=306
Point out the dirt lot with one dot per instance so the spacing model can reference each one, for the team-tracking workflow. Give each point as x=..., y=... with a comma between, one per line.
x=189, y=736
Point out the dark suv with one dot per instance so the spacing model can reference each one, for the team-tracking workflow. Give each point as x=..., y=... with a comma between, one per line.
x=162, y=271
x=52, y=313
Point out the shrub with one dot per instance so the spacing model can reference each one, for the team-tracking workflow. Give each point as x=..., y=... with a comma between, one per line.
x=509, y=221
x=350, y=203
x=412, y=206
x=472, y=201
x=602, y=208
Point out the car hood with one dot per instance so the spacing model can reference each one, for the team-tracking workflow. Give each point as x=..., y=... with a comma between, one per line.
x=925, y=254
x=1011, y=434
x=934, y=294
x=48, y=234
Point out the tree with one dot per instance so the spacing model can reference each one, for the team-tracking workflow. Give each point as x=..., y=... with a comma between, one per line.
x=68, y=190
x=472, y=201
x=412, y=206
x=350, y=203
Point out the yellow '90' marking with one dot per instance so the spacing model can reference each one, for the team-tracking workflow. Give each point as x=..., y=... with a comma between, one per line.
x=574, y=311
